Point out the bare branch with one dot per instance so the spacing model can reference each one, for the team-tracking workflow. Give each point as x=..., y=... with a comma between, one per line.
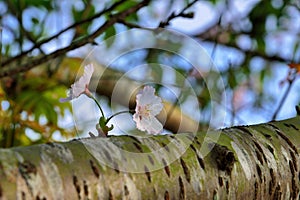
x=12, y=69
x=180, y=14
x=213, y=35
x=39, y=44
x=290, y=81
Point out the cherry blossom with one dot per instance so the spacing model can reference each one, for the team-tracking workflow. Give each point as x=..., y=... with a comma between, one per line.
x=148, y=105
x=80, y=86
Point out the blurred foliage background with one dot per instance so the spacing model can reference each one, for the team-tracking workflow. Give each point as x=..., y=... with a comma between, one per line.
x=44, y=42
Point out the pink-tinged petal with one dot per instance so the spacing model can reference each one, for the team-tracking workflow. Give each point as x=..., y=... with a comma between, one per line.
x=80, y=86
x=146, y=95
x=149, y=124
x=155, y=126
x=148, y=105
x=156, y=107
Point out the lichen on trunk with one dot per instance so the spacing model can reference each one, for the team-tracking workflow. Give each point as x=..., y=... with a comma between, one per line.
x=246, y=162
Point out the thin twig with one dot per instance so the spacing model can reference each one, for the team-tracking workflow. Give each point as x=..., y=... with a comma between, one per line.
x=284, y=97
x=180, y=14
x=9, y=70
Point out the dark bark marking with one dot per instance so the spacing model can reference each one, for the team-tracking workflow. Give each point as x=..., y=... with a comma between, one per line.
x=215, y=193
x=76, y=185
x=110, y=196
x=0, y=191
x=23, y=195
x=245, y=130
x=147, y=172
x=294, y=160
x=107, y=155
x=116, y=167
x=269, y=137
x=270, y=149
x=259, y=173
x=85, y=188
x=260, y=150
x=38, y=198
x=185, y=170
x=151, y=159
x=197, y=141
x=297, y=109
x=288, y=141
x=175, y=138
x=291, y=126
x=273, y=126
x=294, y=127
x=94, y=169
x=154, y=191
x=139, y=148
x=220, y=181
x=193, y=148
x=50, y=144
x=165, y=146
x=181, y=189
x=227, y=186
x=224, y=157
x=201, y=162
x=190, y=137
x=167, y=169
x=278, y=192
x=126, y=191
x=135, y=139
x=259, y=157
x=294, y=185
x=287, y=125
x=167, y=196
x=26, y=168
x=272, y=182
x=255, y=190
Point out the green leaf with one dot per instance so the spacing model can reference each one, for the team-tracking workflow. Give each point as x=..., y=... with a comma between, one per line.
x=102, y=122
x=109, y=34
x=35, y=20
x=232, y=82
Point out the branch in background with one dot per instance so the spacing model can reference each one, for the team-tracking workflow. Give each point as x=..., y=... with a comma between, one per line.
x=180, y=14
x=290, y=79
x=212, y=33
x=39, y=44
x=16, y=68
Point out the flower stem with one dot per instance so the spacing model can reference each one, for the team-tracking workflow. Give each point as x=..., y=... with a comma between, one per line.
x=102, y=113
x=118, y=113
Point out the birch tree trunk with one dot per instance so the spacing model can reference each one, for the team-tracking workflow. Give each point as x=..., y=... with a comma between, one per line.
x=247, y=162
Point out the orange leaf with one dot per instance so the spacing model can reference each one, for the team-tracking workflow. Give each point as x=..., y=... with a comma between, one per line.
x=295, y=66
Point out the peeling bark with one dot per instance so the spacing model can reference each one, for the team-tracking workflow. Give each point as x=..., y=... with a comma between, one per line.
x=247, y=162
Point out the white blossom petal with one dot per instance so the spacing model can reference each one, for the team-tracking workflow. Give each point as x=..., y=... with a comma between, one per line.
x=79, y=87
x=148, y=105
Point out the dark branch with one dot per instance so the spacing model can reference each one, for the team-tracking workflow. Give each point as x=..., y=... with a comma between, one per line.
x=180, y=14
x=212, y=35
x=39, y=44
x=9, y=70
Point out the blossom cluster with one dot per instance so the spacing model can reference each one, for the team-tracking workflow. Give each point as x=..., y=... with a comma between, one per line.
x=148, y=105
